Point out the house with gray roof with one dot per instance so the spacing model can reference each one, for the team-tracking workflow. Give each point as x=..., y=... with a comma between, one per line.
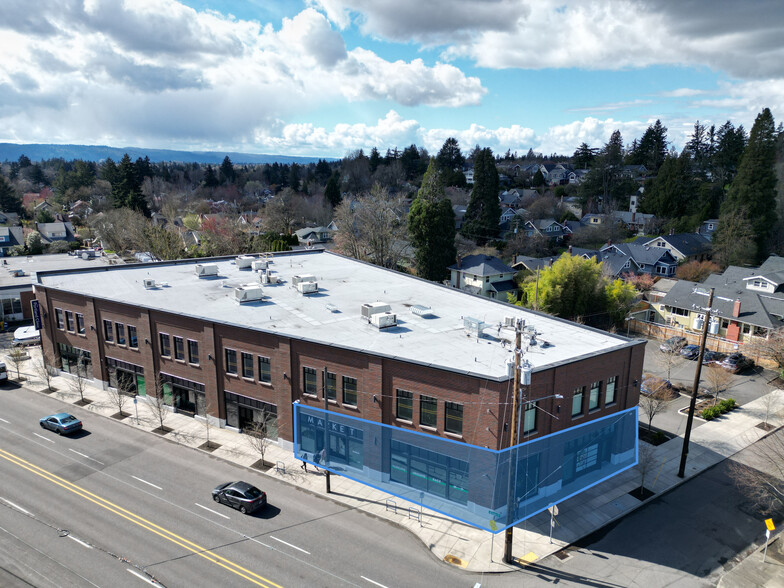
x=708, y=227
x=684, y=246
x=316, y=234
x=10, y=237
x=748, y=303
x=60, y=231
x=484, y=275
x=632, y=258
x=546, y=227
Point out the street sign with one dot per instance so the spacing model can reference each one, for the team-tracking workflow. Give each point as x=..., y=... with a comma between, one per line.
x=134, y=399
x=493, y=526
x=495, y=514
x=36, y=308
x=553, y=510
x=769, y=524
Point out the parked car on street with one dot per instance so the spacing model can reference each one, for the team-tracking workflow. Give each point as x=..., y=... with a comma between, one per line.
x=673, y=344
x=710, y=357
x=690, y=351
x=652, y=384
x=736, y=363
x=3, y=373
x=61, y=423
x=245, y=497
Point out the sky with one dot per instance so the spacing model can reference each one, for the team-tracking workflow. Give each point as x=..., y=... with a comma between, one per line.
x=327, y=77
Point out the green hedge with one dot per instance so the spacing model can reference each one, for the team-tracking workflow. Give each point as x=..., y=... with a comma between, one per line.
x=712, y=412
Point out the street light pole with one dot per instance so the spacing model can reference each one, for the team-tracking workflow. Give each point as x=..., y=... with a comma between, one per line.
x=326, y=428
x=508, y=558
x=695, y=388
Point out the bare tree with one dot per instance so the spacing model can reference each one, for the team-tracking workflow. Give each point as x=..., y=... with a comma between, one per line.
x=78, y=384
x=208, y=406
x=44, y=369
x=762, y=479
x=348, y=240
x=17, y=355
x=770, y=348
x=121, y=395
x=771, y=402
x=645, y=463
x=258, y=434
x=282, y=211
x=717, y=380
x=669, y=360
x=121, y=229
x=158, y=405
x=655, y=402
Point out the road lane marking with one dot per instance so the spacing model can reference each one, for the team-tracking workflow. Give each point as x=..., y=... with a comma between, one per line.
x=372, y=581
x=212, y=511
x=289, y=544
x=142, y=578
x=162, y=532
x=5, y=421
x=86, y=456
x=16, y=506
x=146, y=482
x=44, y=438
x=80, y=542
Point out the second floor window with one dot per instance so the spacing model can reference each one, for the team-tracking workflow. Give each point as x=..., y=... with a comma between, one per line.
x=529, y=420
x=309, y=380
x=69, y=321
x=332, y=386
x=428, y=411
x=609, y=390
x=231, y=361
x=120, y=333
x=593, y=396
x=193, y=352
x=265, y=374
x=405, y=405
x=133, y=339
x=247, y=365
x=577, y=401
x=349, y=390
x=179, y=348
x=108, y=332
x=165, y=345
x=58, y=312
x=80, y=323
x=453, y=422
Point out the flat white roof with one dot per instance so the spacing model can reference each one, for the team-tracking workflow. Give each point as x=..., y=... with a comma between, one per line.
x=33, y=264
x=333, y=315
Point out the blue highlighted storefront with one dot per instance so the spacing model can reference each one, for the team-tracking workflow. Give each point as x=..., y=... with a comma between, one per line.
x=489, y=489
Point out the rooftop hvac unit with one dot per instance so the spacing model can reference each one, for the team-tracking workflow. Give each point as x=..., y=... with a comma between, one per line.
x=149, y=283
x=244, y=261
x=421, y=310
x=307, y=287
x=206, y=269
x=296, y=280
x=257, y=265
x=371, y=308
x=509, y=321
x=268, y=278
x=383, y=320
x=248, y=293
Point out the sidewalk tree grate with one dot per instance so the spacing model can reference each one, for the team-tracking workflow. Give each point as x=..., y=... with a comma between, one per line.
x=454, y=560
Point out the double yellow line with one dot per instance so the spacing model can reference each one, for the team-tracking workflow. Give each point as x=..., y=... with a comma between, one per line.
x=142, y=522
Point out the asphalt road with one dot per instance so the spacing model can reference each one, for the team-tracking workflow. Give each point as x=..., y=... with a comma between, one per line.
x=117, y=507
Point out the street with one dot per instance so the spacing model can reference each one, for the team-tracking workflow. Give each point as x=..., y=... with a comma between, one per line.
x=116, y=507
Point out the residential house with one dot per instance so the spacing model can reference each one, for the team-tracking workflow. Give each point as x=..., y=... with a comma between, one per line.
x=635, y=172
x=316, y=234
x=748, y=303
x=684, y=246
x=546, y=227
x=592, y=219
x=9, y=218
x=573, y=205
x=708, y=227
x=510, y=199
x=636, y=222
x=59, y=231
x=459, y=210
x=10, y=237
x=632, y=258
x=576, y=176
x=80, y=210
x=484, y=275
x=469, y=175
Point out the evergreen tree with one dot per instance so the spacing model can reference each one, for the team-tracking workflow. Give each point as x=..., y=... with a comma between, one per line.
x=450, y=158
x=699, y=149
x=332, y=191
x=484, y=211
x=752, y=194
x=126, y=192
x=323, y=171
x=24, y=161
x=210, y=179
x=374, y=160
x=109, y=171
x=294, y=176
x=431, y=225
x=730, y=143
x=668, y=194
x=36, y=175
x=538, y=179
x=584, y=156
x=651, y=149
x=9, y=201
x=227, y=174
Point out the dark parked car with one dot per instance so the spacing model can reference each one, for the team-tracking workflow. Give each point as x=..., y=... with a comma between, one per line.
x=652, y=384
x=712, y=357
x=690, y=351
x=240, y=495
x=736, y=363
x=673, y=344
x=61, y=423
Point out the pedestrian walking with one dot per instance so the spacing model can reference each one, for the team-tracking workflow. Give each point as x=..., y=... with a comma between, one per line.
x=316, y=459
x=304, y=464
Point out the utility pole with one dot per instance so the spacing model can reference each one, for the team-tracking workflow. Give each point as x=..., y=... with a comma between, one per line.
x=536, y=292
x=326, y=428
x=511, y=500
x=695, y=388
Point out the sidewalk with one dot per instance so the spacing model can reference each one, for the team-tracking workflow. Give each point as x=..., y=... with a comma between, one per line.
x=449, y=540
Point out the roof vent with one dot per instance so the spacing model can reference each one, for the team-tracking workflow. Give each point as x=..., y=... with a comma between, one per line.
x=268, y=278
x=421, y=310
x=150, y=284
x=248, y=293
x=206, y=269
x=244, y=261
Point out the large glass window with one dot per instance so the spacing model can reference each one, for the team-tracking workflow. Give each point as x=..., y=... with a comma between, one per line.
x=405, y=405
x=577, y=401
x=179, y=348
x=133, y=339
x=231, y=361
x=332, y=386
x=429, y=471
x=58, y=312
x=80, y=323
x=193, y=352
x=69, y=321
x=309, y=379
x=428, y=411
x=453, y=421
x=593, y=396
x=609, y=391
x=349, y=390
x=247, y=365
x=120, y=333
x=529, y=418
x=165, y=345
x=108, y=331
x=265, y=375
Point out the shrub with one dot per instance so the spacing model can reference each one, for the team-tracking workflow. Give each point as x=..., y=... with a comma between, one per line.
x=727, y=405
x=711, y=413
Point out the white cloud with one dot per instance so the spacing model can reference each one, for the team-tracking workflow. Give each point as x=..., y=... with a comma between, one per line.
x=682, y=93
x=564, y=139
x=611, y=106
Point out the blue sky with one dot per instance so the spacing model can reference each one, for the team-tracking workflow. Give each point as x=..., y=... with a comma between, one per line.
x=326, y=77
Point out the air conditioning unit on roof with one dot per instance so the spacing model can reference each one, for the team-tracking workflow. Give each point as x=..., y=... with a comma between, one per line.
x=257, y=265
x=244, y=261
x=379, y=314
x=248, y=293
x=206, y=269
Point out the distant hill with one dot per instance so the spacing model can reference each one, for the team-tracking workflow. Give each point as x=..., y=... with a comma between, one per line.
x=40, y=151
